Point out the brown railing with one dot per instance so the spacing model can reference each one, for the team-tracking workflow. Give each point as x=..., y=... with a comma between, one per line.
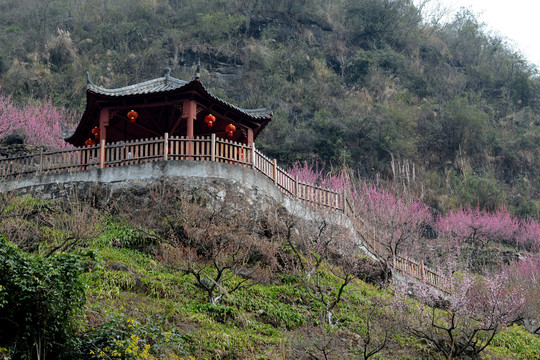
x=403, y=265
x=423, y=273
x=207, y=148
x=308, y=193
x=51, y=162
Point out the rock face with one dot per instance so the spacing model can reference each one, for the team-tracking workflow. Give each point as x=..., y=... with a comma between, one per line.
x=223, y=71
x=13, y=145
x=216, y=180
x=134, y=184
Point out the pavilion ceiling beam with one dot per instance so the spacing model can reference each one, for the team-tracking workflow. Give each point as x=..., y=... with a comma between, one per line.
x=137, y=125
x=153, y=120
x=177, y=124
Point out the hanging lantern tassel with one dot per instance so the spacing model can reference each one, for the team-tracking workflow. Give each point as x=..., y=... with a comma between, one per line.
x=132, y=116
x=209, y=120
x=95, y=132
x=230, y=129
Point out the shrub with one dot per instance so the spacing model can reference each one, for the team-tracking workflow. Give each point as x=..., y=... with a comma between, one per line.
x=41, y=297
x=121, y=337
x=372, y=271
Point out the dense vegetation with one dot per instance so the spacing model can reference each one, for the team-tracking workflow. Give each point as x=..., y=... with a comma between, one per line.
x=119, y=283
x=355, y=83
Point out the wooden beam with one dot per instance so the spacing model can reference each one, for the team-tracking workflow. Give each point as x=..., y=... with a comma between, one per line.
x=104, y=121
x=153, y=120
x=177, y=124
x=139, y=126
x=249, y=136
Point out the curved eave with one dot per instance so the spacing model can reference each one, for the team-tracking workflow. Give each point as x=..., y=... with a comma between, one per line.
x=257, y=118
x=154, y=86
x=79, y=136
x=253, y=114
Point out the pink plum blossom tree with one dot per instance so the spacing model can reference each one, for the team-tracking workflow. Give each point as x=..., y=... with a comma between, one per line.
x=525, y=274
x=529, y=235
x=477, y=227
x=40, y=123
x=315, y=174
x=466, y=322
x=467, y=234
x=396, y=223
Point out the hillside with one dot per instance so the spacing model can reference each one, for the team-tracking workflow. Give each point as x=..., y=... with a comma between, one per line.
x=426, y=133
x=359, y=84
x=121, y=283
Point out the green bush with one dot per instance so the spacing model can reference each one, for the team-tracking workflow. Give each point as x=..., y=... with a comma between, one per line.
x=480, y=191
x=220, y=313
x=41, y=297
x=127, y=338
x=121, y=234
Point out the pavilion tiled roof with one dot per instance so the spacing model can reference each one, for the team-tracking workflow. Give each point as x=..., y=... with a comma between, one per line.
x=168, y=83
x=148, y=87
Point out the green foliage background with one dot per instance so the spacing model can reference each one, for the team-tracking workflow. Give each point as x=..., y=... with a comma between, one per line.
x=354, y=82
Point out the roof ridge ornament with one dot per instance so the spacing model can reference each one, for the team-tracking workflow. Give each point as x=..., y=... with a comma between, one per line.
x=198, y=71
x=166, y=74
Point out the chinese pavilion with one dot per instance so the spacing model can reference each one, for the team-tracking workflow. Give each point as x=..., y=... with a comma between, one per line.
x=164, y=105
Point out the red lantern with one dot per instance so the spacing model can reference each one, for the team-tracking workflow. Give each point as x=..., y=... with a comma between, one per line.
x=95, y=132
x=90, y=142
x=132, y=116
x=209, y=119
x=230, y=129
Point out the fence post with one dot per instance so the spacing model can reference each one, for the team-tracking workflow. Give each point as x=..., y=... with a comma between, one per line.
x=275, y=171
x=190, y=147
x=296, y=186
x=422, y=270
x=213, y=147
x=102, y=154
x=253, y=162
x=166, y=147
x=344, y=204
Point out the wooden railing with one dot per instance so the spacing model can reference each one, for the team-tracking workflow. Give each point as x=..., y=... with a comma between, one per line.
x=423, y=273
x=51, y=162
x=406, y=266
x=307, y=193
x=207, y=148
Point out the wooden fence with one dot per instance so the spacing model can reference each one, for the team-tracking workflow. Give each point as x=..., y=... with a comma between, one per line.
x=404, y=265
x=207, y=148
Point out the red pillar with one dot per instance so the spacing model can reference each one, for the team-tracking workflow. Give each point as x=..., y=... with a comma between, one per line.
x=103, y=124
x=250, y=136
x=190, y=113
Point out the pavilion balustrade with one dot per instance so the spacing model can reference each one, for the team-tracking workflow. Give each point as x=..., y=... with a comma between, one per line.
x=206, y=148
